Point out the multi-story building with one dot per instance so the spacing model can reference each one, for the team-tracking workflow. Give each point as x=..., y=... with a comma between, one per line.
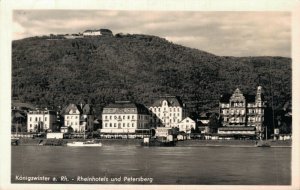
x=41, y=120
x=242, y=115
x=125, y=117
x=166, y=111
x=79, y=117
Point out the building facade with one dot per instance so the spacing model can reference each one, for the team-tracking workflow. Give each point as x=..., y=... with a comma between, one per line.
x=91, y=33
x=125, y=117
x=41, y=120
x=166, y=111
x=242, y=114
x=187, y=125
x=79, y=117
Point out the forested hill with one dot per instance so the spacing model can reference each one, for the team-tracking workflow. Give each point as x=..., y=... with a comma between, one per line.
x=99, y=70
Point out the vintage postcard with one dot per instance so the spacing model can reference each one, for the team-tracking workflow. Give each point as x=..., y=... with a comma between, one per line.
x=150, y=95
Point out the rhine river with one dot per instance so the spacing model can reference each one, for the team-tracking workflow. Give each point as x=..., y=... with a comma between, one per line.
x=164, y=165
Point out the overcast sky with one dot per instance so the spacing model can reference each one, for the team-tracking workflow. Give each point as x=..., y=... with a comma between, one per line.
x=220, y=33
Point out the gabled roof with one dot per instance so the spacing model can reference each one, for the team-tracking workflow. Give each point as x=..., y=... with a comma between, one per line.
x=186, y=119
x=86, y=109
x=225, y=98
x=173, y=101
x=125, y=107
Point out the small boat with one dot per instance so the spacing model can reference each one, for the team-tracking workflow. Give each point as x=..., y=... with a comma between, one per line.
x=157, y=142
x=85, y=144
x=263, y=144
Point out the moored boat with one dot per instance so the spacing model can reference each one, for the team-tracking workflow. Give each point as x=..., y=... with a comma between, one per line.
x=263, y=144
x=85, y=144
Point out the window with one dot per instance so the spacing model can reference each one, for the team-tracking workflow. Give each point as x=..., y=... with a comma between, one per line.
x=128, y=117
x=30, y=118
x=110, y=117
x=106, y=117
x=45, y=118
x=132, y=124
x=30, y=125
x=123, y=124
x=128, y=125
x=159, y=109
x=123, y=116
x=115, y=125
x=110, y=124
x=45, y=125
x=105, y=124
x=67, y=117
x=133, y=117
x=119, y=125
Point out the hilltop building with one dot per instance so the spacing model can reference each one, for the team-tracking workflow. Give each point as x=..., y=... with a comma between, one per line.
x=78, y=117
x=242, y=115
x=100, y=32
x=166, y=111
x=41, y=120
x=125, y=118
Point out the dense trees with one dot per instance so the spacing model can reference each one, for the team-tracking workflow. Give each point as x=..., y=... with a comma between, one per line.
x=137, y=68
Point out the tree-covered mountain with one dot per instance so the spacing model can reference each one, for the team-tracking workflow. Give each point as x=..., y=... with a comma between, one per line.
x=99, y=70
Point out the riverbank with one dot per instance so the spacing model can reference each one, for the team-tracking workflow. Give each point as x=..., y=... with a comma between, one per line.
x=137, y=142
x=231, y=143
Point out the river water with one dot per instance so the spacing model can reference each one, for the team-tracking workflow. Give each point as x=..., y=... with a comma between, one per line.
x=153, y=165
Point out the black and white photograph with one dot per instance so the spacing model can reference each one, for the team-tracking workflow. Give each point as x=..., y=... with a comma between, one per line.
x=151, y=97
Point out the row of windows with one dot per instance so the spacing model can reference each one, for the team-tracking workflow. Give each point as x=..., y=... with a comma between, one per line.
x=187, y=126
x=165, y=120
x=76, y=123
x=68, y=123
x=165, y=109
x=226, y=105
x=45, y=125
x=242, y=111
x=71, y=117
x=242, y=119
x=119, y=125
x=124, y=117
x=174, y=114
x=37, y=118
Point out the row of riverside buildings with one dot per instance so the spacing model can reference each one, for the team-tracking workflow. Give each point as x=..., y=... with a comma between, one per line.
x=240, y=116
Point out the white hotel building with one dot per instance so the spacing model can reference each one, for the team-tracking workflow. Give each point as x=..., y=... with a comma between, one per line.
x=40, y=120
x=79, y=117
x=166, y=111
x=124, y=117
